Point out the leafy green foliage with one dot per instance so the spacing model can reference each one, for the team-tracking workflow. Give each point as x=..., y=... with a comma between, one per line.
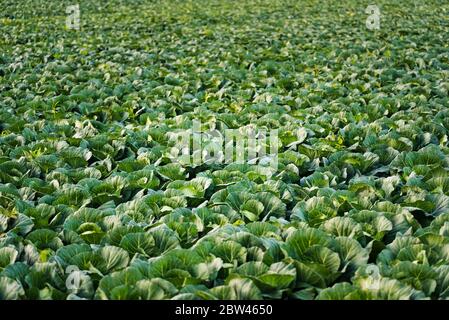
x=358, y=207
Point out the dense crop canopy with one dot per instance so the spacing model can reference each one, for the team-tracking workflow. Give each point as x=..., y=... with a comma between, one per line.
x=96, y=201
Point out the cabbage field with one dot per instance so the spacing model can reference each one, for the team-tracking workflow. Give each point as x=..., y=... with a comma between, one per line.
x=99, y=200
